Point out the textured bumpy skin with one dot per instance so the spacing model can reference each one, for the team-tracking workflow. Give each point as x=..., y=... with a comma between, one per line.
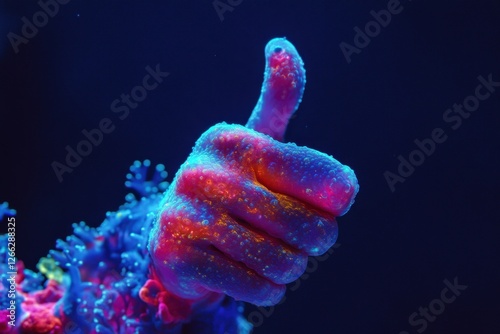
x=245, y=210
x=237, y=223
x=282, y=89
x=243, y=214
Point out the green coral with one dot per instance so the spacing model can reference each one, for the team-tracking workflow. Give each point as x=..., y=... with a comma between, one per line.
x=50, y=269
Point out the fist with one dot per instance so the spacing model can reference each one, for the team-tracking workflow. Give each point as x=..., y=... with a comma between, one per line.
x=244, y=212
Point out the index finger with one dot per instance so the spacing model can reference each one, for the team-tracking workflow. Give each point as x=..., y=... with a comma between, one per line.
x=300, y=172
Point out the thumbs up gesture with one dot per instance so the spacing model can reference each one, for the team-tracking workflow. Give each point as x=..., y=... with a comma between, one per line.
x=245, y=210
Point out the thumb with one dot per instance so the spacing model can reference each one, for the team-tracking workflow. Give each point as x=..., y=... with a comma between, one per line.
x=282, y=89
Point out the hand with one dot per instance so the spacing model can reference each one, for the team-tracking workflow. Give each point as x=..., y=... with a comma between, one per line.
x=245, y=210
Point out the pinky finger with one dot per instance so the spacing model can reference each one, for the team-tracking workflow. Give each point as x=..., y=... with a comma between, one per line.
x=205, y=268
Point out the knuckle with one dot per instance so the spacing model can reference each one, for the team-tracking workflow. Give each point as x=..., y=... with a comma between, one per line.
x=230, y=142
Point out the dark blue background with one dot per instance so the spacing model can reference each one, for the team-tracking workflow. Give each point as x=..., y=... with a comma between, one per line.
x=396, y=248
